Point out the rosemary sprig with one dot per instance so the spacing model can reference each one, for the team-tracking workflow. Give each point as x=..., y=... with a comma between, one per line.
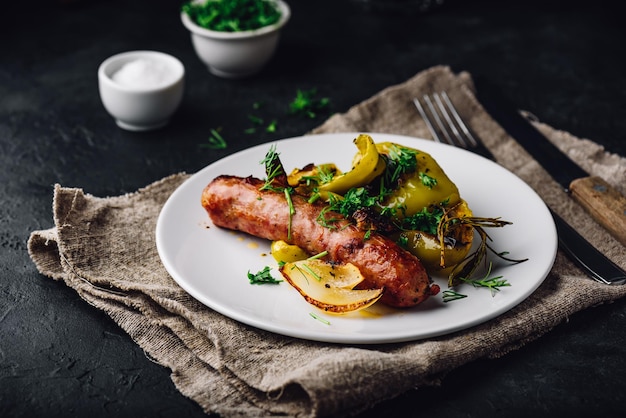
x=467, y=267
x=492, y=283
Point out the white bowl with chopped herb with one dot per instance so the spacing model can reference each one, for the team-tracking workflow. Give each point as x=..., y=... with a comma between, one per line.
x=235, y=38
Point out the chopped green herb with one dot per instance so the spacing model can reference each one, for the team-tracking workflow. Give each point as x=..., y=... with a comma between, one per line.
x=311, y=272
x=403, y=241
x=353, y=199
x=255, y=120
x=401, y=160
x=305, y=103
x=215, y=141
x=276, y=180
x=232, y=15
x=262, y=277
x=322, y=320
x=273, y=125
x=324, y=174
x=325, y=221
x=304, y=266
x=450, y=295
x=427, y=180
x=318, y=255
x=273, y=169
x=426, y=220
x=292, y=210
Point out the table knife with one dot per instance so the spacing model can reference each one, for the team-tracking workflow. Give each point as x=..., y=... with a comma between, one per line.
x=603, y=202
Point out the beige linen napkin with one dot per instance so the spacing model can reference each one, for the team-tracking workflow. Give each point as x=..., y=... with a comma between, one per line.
x=104, y=248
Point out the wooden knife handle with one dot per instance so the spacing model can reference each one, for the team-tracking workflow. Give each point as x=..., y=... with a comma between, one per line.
x=605, y=204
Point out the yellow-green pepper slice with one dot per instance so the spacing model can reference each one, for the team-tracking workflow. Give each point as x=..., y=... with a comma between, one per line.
x=366, y=166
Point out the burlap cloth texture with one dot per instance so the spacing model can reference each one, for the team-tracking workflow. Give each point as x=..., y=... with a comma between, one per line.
x=104, y=248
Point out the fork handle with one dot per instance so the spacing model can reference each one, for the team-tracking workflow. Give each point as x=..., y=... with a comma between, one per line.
x=605, y=204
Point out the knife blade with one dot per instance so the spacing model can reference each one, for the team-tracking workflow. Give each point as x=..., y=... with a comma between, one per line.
x=579, y=250
x=603, y=202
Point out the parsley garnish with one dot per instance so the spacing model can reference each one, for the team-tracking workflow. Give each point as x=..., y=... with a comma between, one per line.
x=262, y=277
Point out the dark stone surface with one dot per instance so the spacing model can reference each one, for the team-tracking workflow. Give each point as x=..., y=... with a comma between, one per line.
x=563, y=60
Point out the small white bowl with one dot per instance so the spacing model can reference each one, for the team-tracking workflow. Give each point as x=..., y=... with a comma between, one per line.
x=236, y=54
x=141, y=89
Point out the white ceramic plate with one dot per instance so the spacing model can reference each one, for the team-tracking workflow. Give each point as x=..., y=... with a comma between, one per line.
x=211, y=264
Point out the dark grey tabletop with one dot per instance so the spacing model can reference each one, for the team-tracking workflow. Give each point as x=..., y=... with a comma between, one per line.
x=563, y=60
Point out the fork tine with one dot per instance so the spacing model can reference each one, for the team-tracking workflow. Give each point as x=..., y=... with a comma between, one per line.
x=446, y=109
x=464, y=137
x=426, y=119
x=435, y=116
x=458, y=119
x=446, y=115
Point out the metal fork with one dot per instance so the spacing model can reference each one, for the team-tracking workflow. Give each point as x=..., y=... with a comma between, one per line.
x=455, y=132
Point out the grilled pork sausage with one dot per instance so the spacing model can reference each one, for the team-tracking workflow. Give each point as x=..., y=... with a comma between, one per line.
x=237, y=203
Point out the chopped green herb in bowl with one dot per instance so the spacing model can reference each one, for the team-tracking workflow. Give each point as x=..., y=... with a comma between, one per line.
x=235, y=38
x=232, y=15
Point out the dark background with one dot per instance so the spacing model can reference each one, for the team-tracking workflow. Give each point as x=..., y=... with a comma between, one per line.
x=562, y=60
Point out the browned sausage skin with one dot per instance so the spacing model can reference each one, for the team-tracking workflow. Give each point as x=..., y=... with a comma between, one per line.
x=237, y=203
